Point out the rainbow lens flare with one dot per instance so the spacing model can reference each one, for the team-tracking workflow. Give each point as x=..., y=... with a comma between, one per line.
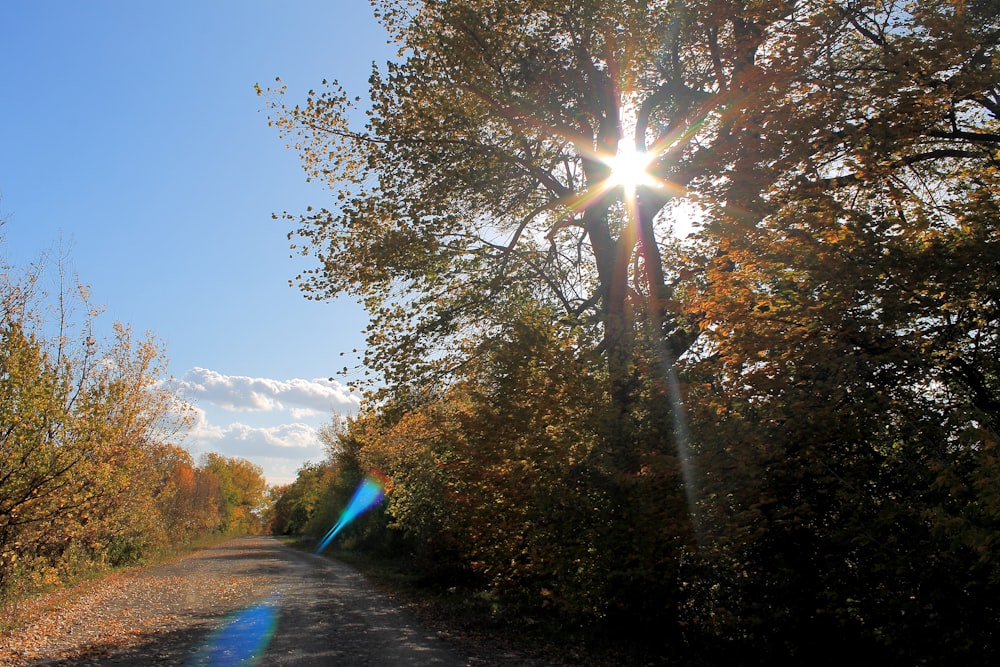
x=242, y=639
x=369, y=493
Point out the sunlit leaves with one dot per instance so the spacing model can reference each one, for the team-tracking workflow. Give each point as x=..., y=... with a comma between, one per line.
x=484, y=165
x=241, y=493
x=834, y=322
x=849, y=403
x=90, y=472
x=496, y=473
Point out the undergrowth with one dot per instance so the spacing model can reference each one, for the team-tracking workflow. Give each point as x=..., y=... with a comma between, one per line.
x=44, y=589
x=463, y=609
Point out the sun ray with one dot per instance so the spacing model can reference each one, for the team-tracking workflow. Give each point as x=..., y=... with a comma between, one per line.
x=629, y=169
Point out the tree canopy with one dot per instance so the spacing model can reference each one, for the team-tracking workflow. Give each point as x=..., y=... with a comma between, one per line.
x=487, y=158
x=798, y=405
x=91, y=472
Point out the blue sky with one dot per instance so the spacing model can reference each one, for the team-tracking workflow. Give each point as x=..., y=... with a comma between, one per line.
x=130, y=133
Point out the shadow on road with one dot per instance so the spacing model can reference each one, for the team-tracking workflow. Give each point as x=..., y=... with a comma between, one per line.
x=312, y=611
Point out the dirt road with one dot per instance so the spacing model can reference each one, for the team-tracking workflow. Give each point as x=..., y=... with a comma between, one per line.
x=321, y=613
x=247, y=601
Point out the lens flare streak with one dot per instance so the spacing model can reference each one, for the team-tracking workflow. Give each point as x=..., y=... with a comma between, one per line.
x=368, y=494
x=242, y=639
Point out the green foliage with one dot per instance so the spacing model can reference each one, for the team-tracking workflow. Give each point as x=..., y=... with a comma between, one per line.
x=89, y=475
x=241, y=493
x=295, y=506
x=847, y=420
x=775, y=442
x=313, y=503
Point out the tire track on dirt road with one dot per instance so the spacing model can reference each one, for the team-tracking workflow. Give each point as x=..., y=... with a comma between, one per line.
x=328, y=614
x=250, y=596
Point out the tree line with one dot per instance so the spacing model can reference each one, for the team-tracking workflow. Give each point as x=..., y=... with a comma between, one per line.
x=775, y=439
x=92, y=473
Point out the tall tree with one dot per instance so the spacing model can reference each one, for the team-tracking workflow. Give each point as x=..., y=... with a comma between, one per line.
x=242, y=491
x=82, y=427
x=494, y=148
x=847, y=406
x=838, y=310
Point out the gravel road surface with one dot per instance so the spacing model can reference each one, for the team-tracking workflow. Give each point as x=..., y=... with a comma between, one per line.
x=247, y=601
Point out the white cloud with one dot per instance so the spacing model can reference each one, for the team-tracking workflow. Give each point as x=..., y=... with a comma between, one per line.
x=202, y=430
x=279, y=419
x=238, y=393
x=296, y=442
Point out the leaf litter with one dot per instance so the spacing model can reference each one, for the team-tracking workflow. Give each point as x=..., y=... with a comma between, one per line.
x=108, y=616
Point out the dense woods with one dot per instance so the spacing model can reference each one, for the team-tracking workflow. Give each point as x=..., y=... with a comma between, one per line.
x=92, y=473
x=776, y=439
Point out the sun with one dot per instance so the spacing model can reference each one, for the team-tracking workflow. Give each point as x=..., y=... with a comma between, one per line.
x=629, y=169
